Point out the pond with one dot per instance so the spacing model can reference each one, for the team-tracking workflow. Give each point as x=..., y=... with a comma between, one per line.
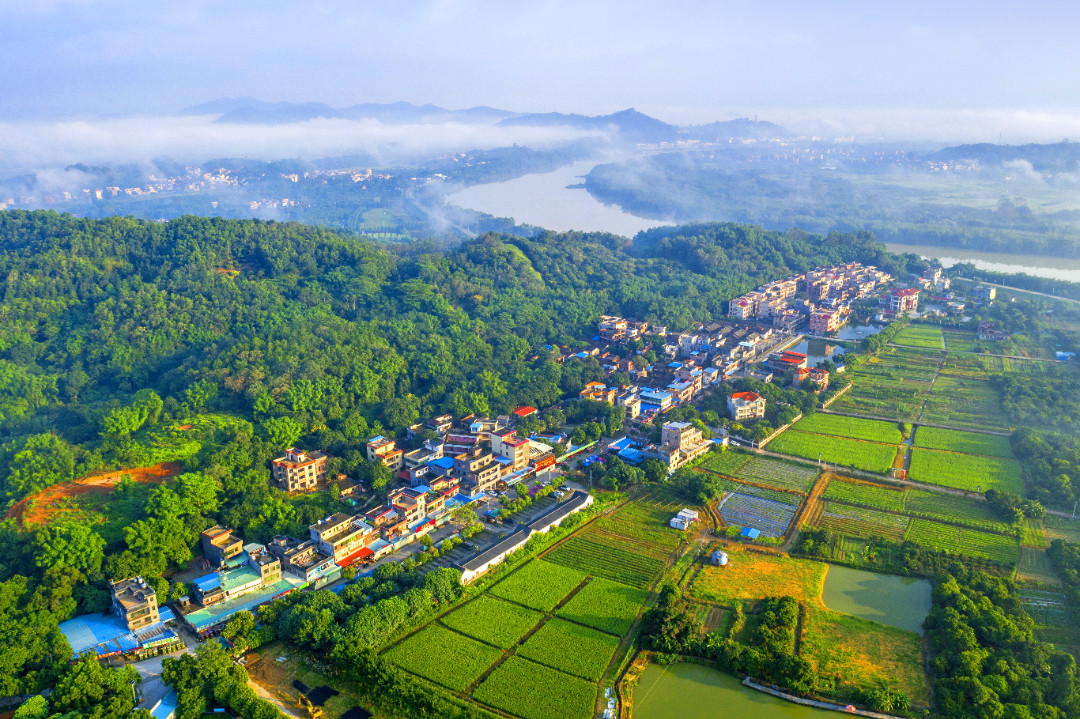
x=885, y=598
x=854, y=331
x=693, y=691
x=817, y=350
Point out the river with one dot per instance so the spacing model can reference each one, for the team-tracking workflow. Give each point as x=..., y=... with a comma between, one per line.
x=547, y=200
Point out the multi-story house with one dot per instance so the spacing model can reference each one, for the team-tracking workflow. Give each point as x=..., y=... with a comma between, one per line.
x=818, y=376
x=299, y=471
x=598, y=392
x=301, y=559
x=219, y=545
x=410, y=503
x=631, y=401
x=478, y=470
x=385, y=451
x=506, y=443
x=824, y=321
x=903, y=300
x=341, y=535
x=681, y=442
x=746, y=405
x=135, y=602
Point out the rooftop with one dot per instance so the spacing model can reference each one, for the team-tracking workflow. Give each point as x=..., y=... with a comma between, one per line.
x=514, y=539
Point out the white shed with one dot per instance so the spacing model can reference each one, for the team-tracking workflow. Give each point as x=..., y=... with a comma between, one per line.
x=679, y=523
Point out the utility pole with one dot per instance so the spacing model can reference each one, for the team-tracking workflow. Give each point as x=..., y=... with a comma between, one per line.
x=1074, y=509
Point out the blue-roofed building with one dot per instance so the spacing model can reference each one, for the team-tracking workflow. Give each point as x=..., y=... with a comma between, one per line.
x=656, y=399
x=750, y=533
x=442, y=467
x=631, y=455
x=166, y=706
x=675, y=365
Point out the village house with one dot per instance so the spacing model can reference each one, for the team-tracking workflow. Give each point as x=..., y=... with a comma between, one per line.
x=825, y=321
x=990, y=332
x=681, y=442
x=903, y=300
x=818, y=376
x=341, y=536
x=220, y=545
x=385, y=452
x=302, y=559
x=598, y=392
x=746, y=405
x=299, y=471
x=135, y=602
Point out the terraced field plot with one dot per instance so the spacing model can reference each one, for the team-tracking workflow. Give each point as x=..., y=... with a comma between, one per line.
x=551, y=646
x=444, y=657
x=533, y=691
x=860, y=654
x=751, y=575
x=958, y=340
x=1067, y=530
x=778, y=473
x=965, y=471
x=539, y=585
x=869, y=456
x=969, y=542
x=969, y=511
x=920, y=336
x=850, y=427
x=967, y=442
x=1035, y=566
x=492, y=620
x=770, y=518
x=774, y=495
x=965, y=403
x=729, y=462
x=860, y=522
x=643, y=523
x=608, y=606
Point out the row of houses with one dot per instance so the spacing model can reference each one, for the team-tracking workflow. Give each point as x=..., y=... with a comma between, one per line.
x=829, y=290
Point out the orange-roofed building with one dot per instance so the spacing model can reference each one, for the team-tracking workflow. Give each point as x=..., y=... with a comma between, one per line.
x=746, y=405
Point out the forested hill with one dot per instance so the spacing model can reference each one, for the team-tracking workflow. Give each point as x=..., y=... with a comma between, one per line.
x=300, y=330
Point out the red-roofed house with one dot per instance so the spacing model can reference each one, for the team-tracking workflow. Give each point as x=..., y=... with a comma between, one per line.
x=525, y=411
x=903, y=300
x=746, y=405
x=815, y=374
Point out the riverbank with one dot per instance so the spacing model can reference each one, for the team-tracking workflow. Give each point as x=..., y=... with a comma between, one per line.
x=748, y=682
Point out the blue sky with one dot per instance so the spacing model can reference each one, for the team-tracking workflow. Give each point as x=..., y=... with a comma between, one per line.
x=886, y=67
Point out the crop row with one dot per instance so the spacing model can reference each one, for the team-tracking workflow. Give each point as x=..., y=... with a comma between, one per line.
x=965, y=471
x=869, y=495
x=892, y=521
x=618, y=565
x=728, y=462
x=592, y=649
x=857, y=528
x=969, y=542
x=493, y=621
x=770, y=518
x=533, y=691
x=966, y=442
x=775, y=495
x=778, y=473
x=838, y=425
x=921, y=336
x=868, y=456
x=444, y=657
x=539, y=584
x=608, y=606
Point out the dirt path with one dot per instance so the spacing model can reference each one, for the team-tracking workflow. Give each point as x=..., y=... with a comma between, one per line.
x=38, y=508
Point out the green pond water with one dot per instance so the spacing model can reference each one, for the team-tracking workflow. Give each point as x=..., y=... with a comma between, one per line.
x=885, y=598
x=692, y=691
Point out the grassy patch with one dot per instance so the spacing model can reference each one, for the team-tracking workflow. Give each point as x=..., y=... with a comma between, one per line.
x=728, y=462
x=493, y=621
x=533, y=691
x=869, y=456
x=871, y=430
x=444, y=657
x=1067, y=530
x=606, y=606
x=571, y=648
x=539, y=585
x=859, y=654
x=967, y=442
x=920, y=336
x=965, y=471
x=1035, y=566
x=749, y=576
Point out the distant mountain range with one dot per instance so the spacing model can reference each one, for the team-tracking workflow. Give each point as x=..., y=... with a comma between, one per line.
x=629, y=124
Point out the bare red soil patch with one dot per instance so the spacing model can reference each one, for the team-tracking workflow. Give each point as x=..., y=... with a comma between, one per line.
x=97, y=483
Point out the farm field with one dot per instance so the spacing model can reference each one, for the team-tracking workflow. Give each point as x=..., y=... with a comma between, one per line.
x=591, y=649
x=1067, y=530
x=604, y=605
x=864, y=493
x=859, y=454
x=861, y=654
x=969, y=542
x=492, y=621
x=850, y=427
x=778, y=473
x=770, y=518
x=728, y=462
x=1049, y=609
x=585, y=553
x=751, y=575
x=425, y=654
x=958, y=340
x=966, y=442
x=965, y=471
x=920, y=336
x=539, y=585
x=860, y=522
x=533, y=691
x=964, y=402
x=775, y=495
x=1035, y=566
x=1032, y=534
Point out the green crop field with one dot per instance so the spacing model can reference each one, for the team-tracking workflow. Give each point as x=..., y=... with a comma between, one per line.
x=958, y=341
x=991, y=445
x=778, y=473
x=645, y=523
x=967, y=510
x=539, y=585
x=869, y=456
x=851, y=427
x=965, y=471
x=533, y=691
x=444, y=657
x=965, y=402
x=920, y=336
x=728, y=462
x=493, y=621
x=869, y=495
x=969, y=542
x=571, y=648
x=732, y=485
x=607, y=606
x=591, y=557
x=862, y=522
x=1067, y=530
